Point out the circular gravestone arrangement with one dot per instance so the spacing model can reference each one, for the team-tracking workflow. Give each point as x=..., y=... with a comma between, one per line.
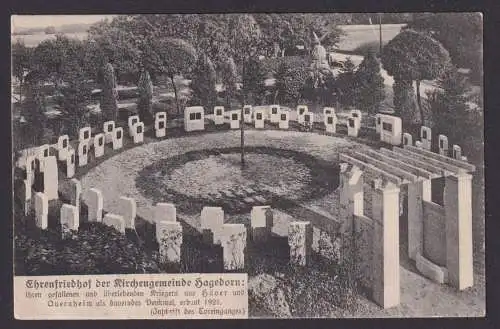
x=215, y=177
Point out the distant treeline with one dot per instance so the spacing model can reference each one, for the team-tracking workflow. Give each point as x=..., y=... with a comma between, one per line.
x=69, y=28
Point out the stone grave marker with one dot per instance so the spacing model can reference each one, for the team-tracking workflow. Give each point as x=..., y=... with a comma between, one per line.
x=391, y=129
x=128, y=211
x=218, y=115
x=138, y=132
x=357, y=115
x=70, y=163
x=169, y=237
x=99, y=145
x=300, y=236
x=426, y=137
x=211, y=220
x=83, y=154
x=234, y=121
x=95, y=205
x=284, y=120
x=25, y=196
x=301, y=110
x=247, y=113
x=419, y=144
x=194, y=118
x=261, y=222
x=330, y=123
x=274, y=115
x=443, y=145
x=160, y=124
x=259, y=119
x=109, y=131
x=50, y=178
x=118, y=138
x=84, y=135
x=132, y=120
x=62, y=147
x=353, y=126
x=233, y=238
x=308, y=119
x=70, y=220
x=115, y=221
x=75, y=192
x=41, y=210
x=407, y=139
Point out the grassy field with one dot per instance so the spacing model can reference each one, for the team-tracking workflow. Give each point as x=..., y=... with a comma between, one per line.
x=356, y=35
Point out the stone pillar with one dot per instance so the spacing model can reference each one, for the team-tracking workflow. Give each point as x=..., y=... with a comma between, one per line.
x=300, y=236
x=458, y=214
x=70, y=220
x=261, y=222
x=212, y=219
x=164, y=212
x=99, y=145
x=41, y=210
x=26, y=197
x=233, y=238
x=386, y=285
x=418, y=192
x=95, y=205
x=117, y=138
x=169, y=237
x=50, y=178
x=75, y=192
x=115, y=221
x=351, y=195
x=70, y=163
x=407, y=139
x=128, y=210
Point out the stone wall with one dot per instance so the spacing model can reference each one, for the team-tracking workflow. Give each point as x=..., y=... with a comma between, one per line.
x=434, y=233
x=363, y=248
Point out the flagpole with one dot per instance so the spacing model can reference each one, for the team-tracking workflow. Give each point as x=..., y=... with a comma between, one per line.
x=380, y=31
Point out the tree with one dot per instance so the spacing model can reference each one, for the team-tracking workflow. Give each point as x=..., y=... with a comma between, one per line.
x=109, y=95
x=76, y=96
x=254, y=81
x=290, y=80
x=450, y=105
x=230, y=81
x=21, y=58
x=33, y=111
x=414, y=56
x=370, y=84
x=171, y=57
x=460, y=33
x=404, y=102
x=145, y=101
x=346, y=84
x=203, y=83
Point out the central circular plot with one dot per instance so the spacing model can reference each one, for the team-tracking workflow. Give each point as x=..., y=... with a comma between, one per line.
x=216, y=177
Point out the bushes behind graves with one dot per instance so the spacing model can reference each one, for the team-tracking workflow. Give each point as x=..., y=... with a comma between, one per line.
x=96, y=249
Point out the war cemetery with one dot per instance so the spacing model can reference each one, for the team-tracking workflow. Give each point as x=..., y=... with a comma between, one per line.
x=346, y=181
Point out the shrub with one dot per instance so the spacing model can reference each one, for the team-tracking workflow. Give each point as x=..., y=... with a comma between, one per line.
x=368, y=47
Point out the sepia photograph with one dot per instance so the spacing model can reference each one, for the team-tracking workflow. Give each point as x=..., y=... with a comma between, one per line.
x=253, y=165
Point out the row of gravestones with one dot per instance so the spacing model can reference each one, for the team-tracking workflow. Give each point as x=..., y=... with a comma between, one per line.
x=425, y=142
x=194, y=118
x=169, y=232
x=233, y=237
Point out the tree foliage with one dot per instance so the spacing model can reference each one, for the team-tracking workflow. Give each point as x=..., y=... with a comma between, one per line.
x=203, y=83
x=346, y=84
x=145, y=101
x=290, y=81
x=460, y=33
x=415, y=56
x=369, y=84
x=109, y=105
x=229, y=74
x=405, y=102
